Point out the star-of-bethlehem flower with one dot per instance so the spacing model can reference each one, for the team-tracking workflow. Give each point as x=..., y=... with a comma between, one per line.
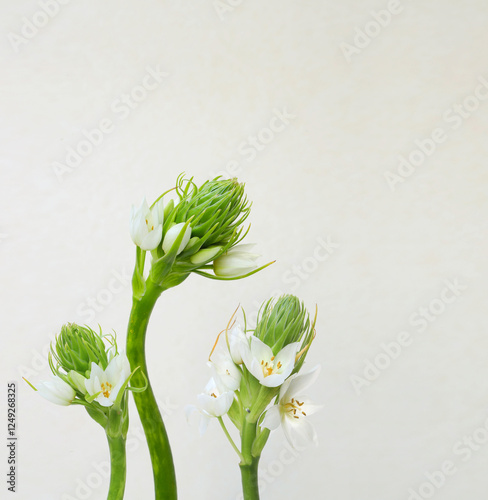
x=57, y=391
x=104, y=385
x=146, y=225
x=270, y=370
x=214, y=402
x=293, y=408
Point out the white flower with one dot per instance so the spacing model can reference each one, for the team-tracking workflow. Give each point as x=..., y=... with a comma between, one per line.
x=236, y=337
x=293, y=409
x=146, y=225
x=236, y=261
x=270, y=370
x=172, y=234
x=214, y=402
x=107, y=384
x=57, y=391
x=225, y=369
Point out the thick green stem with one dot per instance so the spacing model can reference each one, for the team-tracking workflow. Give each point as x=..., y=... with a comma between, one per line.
x=249, y=464
x=117, y=468
x=152, y=422
x=249, y=475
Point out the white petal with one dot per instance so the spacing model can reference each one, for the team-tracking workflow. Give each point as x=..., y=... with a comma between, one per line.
x=106, y=402
x=223, y=403
x=207, y=403
x=204, y=421
x=299, y=382
x=230, y=267
x=138, y=228
x=303, y=433
x=159, y=207
x=274, y=380
x=236, y=337
x=245, y=354
x=287, y=358
x=57, y=391
x=225, y=369
x=173, y=234
x=152, y=239
x=118, y=370
x=243, y=247
x=260, y=351
x=272, y=418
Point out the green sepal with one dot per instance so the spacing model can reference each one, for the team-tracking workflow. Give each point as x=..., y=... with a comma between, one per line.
x=98, y=415
x=235, y=414
x=260, y=441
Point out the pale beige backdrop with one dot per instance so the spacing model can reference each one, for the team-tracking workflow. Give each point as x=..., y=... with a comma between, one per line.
x=312, y=104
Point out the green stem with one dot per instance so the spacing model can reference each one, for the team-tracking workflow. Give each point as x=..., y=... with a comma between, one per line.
x=249, y=476
x=249, y=464
x=152, y=422
x=117, y=467
x=229, y=437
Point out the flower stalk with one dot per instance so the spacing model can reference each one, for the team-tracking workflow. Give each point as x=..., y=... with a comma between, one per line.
x=117, y=467
x=201, y=226
x=147, y=407
x=258, y=369
x=88, y=370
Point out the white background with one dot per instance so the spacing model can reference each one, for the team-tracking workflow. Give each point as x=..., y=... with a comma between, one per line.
x=65, y=236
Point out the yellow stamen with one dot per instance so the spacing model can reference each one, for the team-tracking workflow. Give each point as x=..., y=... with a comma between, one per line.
x=106, y=388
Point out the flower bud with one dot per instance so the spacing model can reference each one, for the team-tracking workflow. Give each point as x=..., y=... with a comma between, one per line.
x=57, y=391
x=173, y=234
x=218, y=207
x=238, y=261
x=76, y=347
x=145, y=226
x=284, y=322
x=205, y=255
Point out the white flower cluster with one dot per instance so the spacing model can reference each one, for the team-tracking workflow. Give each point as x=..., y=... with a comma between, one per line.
x=236, y=351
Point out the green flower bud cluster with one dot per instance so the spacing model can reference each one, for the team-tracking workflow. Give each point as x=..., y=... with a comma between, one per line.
x=284, y=322
x=203, y=225
x=88, y=370
x=76, y=347
x=215, y=212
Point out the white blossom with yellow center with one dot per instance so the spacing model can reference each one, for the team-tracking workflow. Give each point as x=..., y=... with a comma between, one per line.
x=293, y=409
x=146, y=225
x=108, y=383
x=270, y=370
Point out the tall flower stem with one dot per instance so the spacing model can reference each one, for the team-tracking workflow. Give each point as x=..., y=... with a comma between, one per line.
x=117, y=467
x=249, y=465
x=151, y=419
